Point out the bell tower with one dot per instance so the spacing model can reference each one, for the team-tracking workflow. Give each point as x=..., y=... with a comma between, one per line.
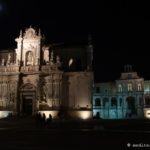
x=28, y=50
x=89, y=53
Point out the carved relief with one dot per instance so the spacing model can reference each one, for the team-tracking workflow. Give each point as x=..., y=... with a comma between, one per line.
x=42, y=83
x=30, y=33
x=7, y=94
x=29, y=42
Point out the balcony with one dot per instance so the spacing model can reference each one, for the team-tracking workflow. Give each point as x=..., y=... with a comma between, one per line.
x=9, y=69
x=29, y=69
x=48, y=68
x=97, y=107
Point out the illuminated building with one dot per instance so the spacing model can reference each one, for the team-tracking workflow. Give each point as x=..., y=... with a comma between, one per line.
x=35, y=77
x=127, y=97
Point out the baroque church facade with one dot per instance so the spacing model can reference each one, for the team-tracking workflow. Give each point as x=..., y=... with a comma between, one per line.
x=126, y=98
x=36, y=78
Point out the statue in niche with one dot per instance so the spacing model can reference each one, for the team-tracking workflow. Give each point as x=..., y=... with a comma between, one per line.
x=30, y=59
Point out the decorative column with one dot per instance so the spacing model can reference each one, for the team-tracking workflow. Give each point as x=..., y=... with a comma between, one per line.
x=16, y=96
x=60, y=92
x=101, y=107
x=51, y=92
x=56, y=92
x=124, y=107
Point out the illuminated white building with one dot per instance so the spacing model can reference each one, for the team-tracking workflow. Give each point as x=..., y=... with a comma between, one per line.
x=127, y=97
x=32, y=79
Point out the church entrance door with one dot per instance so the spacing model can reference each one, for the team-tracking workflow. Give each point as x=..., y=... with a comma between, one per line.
x=27, y=105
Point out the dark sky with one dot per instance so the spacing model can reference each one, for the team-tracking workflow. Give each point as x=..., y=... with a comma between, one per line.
x=120, y=30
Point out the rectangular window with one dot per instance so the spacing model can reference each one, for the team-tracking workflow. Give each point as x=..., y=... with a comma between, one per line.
x=119, y=88
x=97, y=102
x=139, y=87
x=97, y=90
x=140, y=101
x=120, y=101
x=129, y=87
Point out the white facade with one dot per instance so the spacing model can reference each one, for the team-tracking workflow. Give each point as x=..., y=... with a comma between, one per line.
x=33, y=82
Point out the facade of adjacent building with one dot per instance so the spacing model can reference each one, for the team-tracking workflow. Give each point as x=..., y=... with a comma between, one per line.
x=127, y=97
x=39, y=78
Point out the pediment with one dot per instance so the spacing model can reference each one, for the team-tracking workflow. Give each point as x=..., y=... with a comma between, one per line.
x=27, y=86
x=30, y=33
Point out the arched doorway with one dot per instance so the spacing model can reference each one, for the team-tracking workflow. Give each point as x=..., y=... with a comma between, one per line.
x=27, y=100
x=114, y=102
x=27, y=105
x=147, y=101
x=131, y=109
x=113, y=112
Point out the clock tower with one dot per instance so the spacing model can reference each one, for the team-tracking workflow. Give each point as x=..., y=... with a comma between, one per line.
x=28, y=50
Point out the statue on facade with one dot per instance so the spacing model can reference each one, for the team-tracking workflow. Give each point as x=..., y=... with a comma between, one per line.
x=8, y=60
x=46, y=55
x=3, y=61
x=30, y=59
x=52, y=58
x=20, y=36
x=30, y=33
x=70, y=62
x=57, y=60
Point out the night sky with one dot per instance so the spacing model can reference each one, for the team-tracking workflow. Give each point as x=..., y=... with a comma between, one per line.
x=120, y=30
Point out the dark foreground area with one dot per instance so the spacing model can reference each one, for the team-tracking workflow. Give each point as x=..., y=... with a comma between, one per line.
x=27, y=134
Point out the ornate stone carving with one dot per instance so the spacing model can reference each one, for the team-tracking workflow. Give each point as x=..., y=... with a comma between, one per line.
x=30, y=33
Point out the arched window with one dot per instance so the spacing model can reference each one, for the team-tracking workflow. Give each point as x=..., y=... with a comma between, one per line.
x=140, y=101
x=114, y=102
x=97, y=102
x=130, y=102
x=97, y=90
x=129, y=87
x=105, y=102
x=120, y=101
x=139, y=87
x=147, y=100
x=119, y=88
